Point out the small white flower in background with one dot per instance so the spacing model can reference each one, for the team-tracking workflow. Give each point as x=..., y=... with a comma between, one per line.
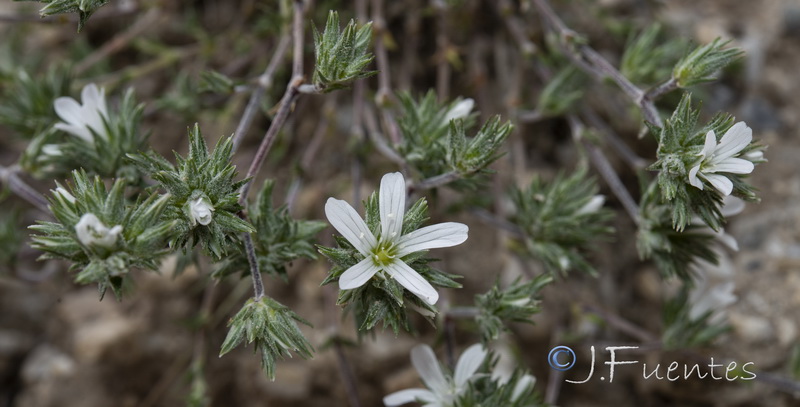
x=460, y=110
x=80, y=118
x=385, y=251
x=92, y=232
x=713, y=289
x=592, y=206
x=719, y=158
x=442, y=390
x=51, y=150
x=201, y=211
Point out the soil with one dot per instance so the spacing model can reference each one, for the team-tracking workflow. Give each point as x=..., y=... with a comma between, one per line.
x=61, y=346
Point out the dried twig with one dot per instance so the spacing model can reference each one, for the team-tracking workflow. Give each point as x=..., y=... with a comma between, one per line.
x=264, y=83
x=277, y=123
x=10, y=177
x=589, y=60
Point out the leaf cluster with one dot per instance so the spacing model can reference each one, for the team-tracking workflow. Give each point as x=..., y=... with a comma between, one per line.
x=279, y=239
x=200, y=175
x=490, y=390
x=105, y=155
x=703, y=62
x=560, y=94
x=647, y=59
x=84, y=8
x=672, y=251
x=272, y=328
x=382, y=299
x=27, y=102
x=435, y=140
x=557, y=223
x=341, y=56
x=141, y=243
x=517, y=303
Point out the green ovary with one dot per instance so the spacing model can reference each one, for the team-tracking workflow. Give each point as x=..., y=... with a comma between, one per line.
x=383, y=255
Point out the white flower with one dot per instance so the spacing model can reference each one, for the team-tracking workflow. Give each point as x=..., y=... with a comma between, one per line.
x=442, y=390
x=385, y=251
x=592, y=206
x=201, y=211
x=460, y=110
x=716, y=158
x=92, y=232
x=713, y=289
x=81, y=118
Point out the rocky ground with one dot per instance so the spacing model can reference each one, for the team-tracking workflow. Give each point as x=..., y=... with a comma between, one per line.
x=60, y=346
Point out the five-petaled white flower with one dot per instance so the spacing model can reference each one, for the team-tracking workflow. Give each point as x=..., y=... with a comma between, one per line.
x=201, y=211
x=719, y=158
x=81, y=119
x=442, y=390
x=384, y=252
x=92, y=232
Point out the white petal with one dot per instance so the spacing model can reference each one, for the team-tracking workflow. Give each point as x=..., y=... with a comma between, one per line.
x=720, y=182
x=731, y=206
x=408, y=396
x=202, y=211
x=93, y=98
x=357, y=275
x=392, y=201
x=732, y=165
x=64, y=193
x=693, y=177
x=79, y=131
x=69, y=110
x=346, y=221
x=468, y=364
x=709, y=145
x=110, y=239
x=460, y=110
x=728, y=241
x=757, y=155
x=51, y=150
x=430, y=237
x=524, y=383
x=91, y=231
x=592, y=206
x=412, y=281
x=94, y=108
x=424, y=360
x=735, y=139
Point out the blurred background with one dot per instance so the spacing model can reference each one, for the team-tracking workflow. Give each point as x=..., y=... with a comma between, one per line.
x=61, y=346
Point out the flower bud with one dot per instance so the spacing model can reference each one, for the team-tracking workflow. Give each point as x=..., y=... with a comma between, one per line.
x=92, y=232
x=201, y=211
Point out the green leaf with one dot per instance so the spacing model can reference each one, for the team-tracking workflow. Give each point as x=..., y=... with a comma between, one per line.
x=703, y=63
x=272, y=328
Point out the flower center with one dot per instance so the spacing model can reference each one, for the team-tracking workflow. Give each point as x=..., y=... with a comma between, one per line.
x=384, y=254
